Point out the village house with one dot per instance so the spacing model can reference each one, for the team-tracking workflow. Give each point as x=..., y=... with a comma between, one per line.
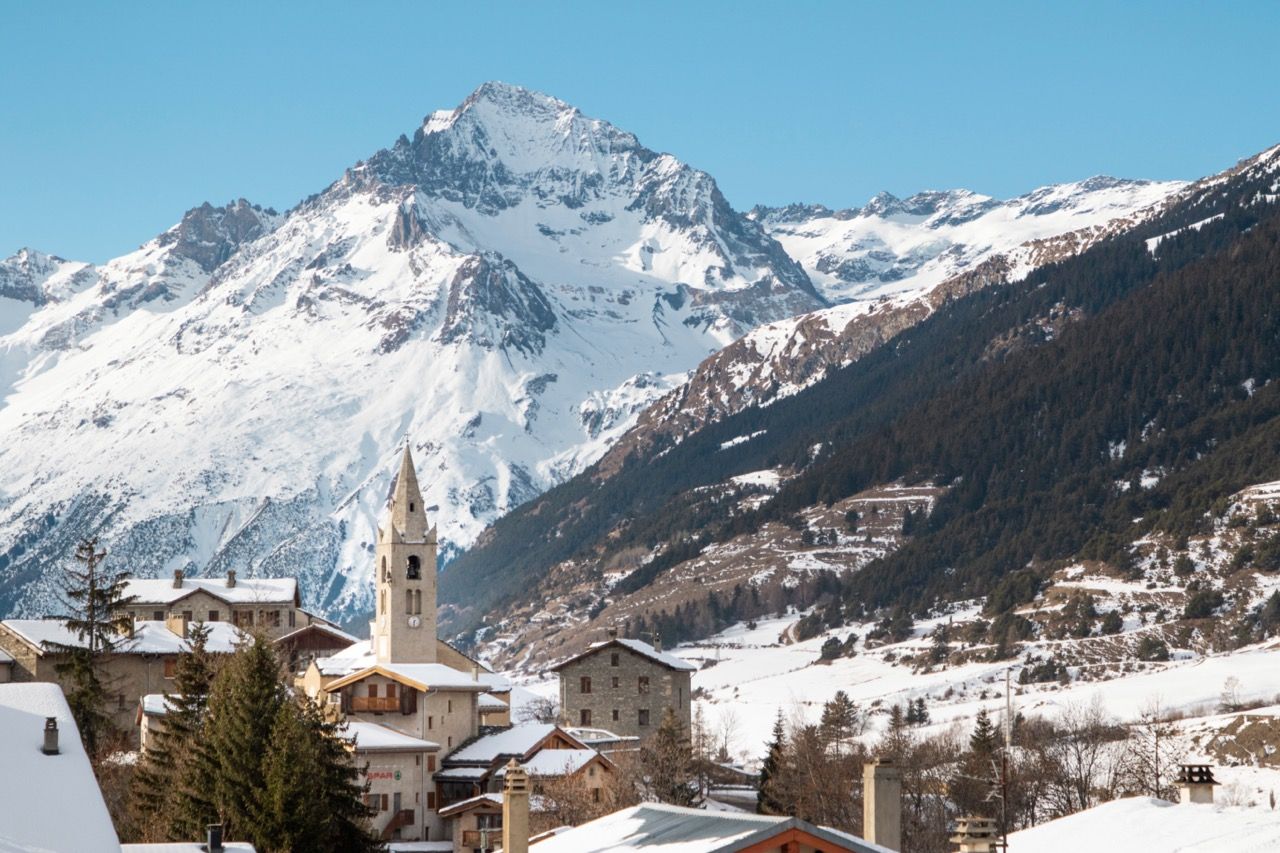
x=144, y=661
x=270, y=606
x=625, y=686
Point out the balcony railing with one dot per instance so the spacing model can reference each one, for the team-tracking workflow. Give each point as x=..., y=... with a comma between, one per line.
x=481, y=839
x=375, y=703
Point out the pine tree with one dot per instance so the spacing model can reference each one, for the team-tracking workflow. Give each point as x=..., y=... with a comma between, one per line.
x=922, y=713
x=667, y=760
x=311, y=796
x=983, y=741
x=767, y=801
x=95, y=602
x=158, y=791
x=244, y=699
x=839, y=721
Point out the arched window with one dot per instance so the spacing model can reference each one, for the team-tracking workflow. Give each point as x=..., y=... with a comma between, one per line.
x=417, y=601
x=408, y=601
x=415, y=568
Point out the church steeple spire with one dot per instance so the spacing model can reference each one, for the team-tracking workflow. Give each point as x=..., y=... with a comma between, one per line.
x=408, y=515
x=404, y=628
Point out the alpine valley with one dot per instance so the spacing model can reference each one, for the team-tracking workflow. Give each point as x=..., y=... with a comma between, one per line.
x=530, y=296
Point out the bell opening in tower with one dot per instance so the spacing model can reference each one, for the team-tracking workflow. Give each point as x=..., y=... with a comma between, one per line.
x=414, y=571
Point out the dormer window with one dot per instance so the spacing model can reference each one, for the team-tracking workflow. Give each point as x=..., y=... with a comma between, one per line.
x=414, y=570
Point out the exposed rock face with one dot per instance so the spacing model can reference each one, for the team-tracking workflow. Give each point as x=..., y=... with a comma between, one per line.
x=509, y=286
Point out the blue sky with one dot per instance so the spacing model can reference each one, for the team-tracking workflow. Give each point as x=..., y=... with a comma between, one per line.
x=118, y=117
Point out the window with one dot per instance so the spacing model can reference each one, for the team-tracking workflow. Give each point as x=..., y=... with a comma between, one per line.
x=275, y=618
x=391, y=690
x=584, y=684
x=617, y=682
x=642, y=684
x=613, y=659
x=431, y=800
x=382, y=603
x=293, y=618
x=595, y=794
x=373, y=691
x=158, y=615
x=186, y=616
x=417, y=601
x=450, y=741
x=431, y=764
x=414, y=571
x=584, y=717
x=408, y=601
x=643, y=717
x=170, y=667
x=214, y=616
x=680, y=695
x=384, y=802
x=410, y=506
x=431, y=722
x=450, y=706
x=615, y=715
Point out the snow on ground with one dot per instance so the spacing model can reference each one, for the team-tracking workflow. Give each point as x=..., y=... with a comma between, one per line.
x=1147, y=825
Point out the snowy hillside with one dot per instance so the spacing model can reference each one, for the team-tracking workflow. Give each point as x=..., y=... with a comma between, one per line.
x=508, y=288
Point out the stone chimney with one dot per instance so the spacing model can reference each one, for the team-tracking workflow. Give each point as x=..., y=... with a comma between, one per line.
x=231, y=578
x=882, y=803
x=50, y=736
x=657, y=641
x=213, y=838
x=612, y=632
x=177, y=578
x=515, y=809
x=1195, y=781
x=975, y=835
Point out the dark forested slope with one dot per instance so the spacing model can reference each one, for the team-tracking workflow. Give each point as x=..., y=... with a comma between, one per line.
x=1043, y=405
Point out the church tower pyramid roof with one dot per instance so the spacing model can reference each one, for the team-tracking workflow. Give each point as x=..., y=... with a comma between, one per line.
x=408, y=515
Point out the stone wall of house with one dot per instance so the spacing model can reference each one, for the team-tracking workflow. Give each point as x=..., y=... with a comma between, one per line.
x=618, y=700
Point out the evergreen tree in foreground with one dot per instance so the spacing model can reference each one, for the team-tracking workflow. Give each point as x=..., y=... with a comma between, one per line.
x=766, y=801
x=159, y=795
x=312, y=799
x=95, y=602
x=667, y=759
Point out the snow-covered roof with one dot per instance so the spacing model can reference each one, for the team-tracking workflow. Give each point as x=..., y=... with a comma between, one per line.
x=463, y=774
x=47, y=802
x=371, y=737
x=554, y=762
x=516, y=740
x=1162, y=826
x=489, y=702
x=185, y=847
x=148, y=637
x=639, y=647
x=246, y=591
x=494, y=681
x=536, y=804
x=660, y=828
x=420, y=847
x=353, y=658
x=157, y=704
x=591, y=736
x=422, y=676
x=320, y=626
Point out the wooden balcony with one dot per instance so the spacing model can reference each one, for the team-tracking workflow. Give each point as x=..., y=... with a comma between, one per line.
x=481, y=839
x=377, y=704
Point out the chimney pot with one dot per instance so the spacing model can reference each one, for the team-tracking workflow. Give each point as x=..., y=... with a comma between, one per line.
x=657, y=642
x=214, y=835
x=231, y=578
x=177, y=578
x=882, y=803
x=50, y=736
x=515, y=809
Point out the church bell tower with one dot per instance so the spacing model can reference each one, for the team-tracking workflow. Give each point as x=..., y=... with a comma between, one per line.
x=404, y=628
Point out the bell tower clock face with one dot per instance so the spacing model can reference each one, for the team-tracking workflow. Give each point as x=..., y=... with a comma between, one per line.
x=414, y=621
